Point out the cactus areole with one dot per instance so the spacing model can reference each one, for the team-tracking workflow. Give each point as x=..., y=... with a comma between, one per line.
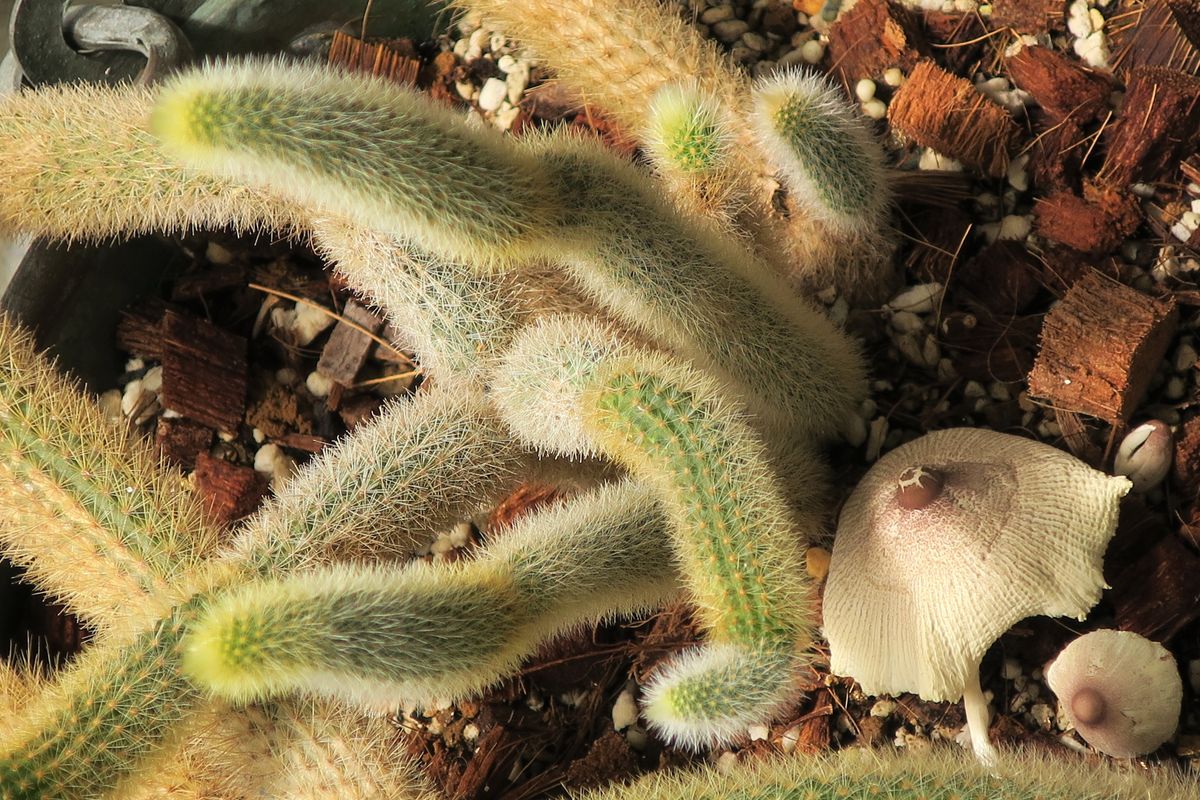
x=946, y=543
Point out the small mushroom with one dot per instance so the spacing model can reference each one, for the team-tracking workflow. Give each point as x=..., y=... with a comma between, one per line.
x=1144, y=455
x=1121, y=691
x=946, y=543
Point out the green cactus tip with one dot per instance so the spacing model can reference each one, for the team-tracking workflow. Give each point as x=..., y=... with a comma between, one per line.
x=685, y=132
x=827, y=156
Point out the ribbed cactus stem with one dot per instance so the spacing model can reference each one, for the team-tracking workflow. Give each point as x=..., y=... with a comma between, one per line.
x=569, y=386
x=375, y=634
x=88, y=508
x=79, y=164
x=938, y=775
x=828, y=158
x=416, y=468
x=618, y=54
x=321, y=750
x=103, y=720
x=452, y=186
x=381, y=155
x=702, y=295
x=456, y=320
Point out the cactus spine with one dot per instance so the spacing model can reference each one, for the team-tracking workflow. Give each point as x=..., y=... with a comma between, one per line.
x=733, y=535
x=410, y=472
x=628, y=250
x=372, y=635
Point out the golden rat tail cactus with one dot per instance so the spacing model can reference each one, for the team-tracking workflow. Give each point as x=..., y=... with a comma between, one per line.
x=626, y=55
x=380, y=154
x=375, y=635
x=570, y=386
x=871, y=775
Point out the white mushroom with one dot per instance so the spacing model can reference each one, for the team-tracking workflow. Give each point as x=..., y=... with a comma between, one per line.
x=1121, y=691
x=1144, y=455
x=946, y=543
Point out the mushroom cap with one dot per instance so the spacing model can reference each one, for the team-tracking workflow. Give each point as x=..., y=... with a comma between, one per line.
x=915, y=596
x=1121, y=691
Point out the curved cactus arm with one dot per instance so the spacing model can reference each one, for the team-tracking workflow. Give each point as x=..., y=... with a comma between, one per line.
x=301, y=749
x=831, y=164
x=569, y=385
x=79, y=164
x=870, y=775
x=702, y=295
x=86, y=506
x=456, y=320
x=360, y=148
x=372, y=634
x=104, y=721
x=456, y=187
x=619, y=54
x=418, y=467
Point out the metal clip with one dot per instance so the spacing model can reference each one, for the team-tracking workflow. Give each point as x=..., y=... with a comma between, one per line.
x=54, y=43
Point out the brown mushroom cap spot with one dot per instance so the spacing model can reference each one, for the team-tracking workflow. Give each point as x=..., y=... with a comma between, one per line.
x=918, y=487
x=1137, y=682
x=1088, y=706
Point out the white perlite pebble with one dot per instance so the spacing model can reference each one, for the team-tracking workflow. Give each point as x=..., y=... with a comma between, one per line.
x=132, y=397
x=813, y=51
x=1017, y=177
x=1043, y=715
x=864, y=90
x=933, y=160
x=883, y=708
x=1093, y=50
x=875, y=108
x=216, y=254
x=1010, y=670
x=152, y=380
x=318, y=384
x=516, y=81
x=893, y=77
x=272, y=461
x=625, y=711
x=789, y=740
x=492, y=94
x=918, y=299
x=906, y=322
x=110, y=404
x=1015, y=227
x=758, y=733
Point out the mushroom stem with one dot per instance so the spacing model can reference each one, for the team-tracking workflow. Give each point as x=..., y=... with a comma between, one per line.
x=976, y=709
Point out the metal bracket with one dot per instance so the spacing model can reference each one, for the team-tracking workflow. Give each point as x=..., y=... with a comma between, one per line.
x=53, y=42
